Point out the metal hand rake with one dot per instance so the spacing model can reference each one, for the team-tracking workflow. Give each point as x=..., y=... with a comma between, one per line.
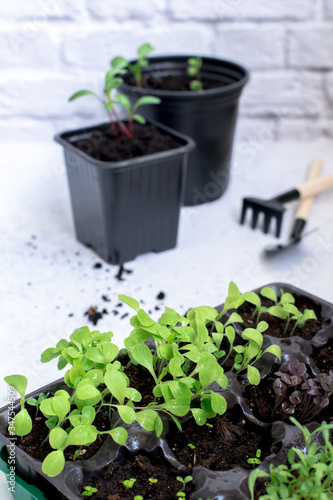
x=273, y=208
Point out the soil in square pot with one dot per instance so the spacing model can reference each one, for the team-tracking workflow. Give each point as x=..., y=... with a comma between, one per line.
x=155, y=479
x=261, y=401
x=227, y=442
x=276, y=325
x=123, y=208
x=323, y=357
x=36, y=443
x=208, y=117
x=69, y=483
x=315, y=333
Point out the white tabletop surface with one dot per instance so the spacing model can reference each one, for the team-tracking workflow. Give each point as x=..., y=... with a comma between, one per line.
x=48, y=279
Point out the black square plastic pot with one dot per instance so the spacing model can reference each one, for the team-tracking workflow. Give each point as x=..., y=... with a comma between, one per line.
x=229, y=485
x=296, y=344
x=208, y=117
x=124, y=209
x=68, y=485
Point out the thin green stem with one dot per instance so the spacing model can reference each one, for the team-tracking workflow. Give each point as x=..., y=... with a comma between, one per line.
x=294, y=328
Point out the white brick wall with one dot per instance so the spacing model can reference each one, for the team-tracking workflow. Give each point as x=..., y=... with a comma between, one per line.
x=50, y=48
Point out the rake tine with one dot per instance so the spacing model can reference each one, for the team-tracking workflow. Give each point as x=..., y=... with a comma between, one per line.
x=267, y=222
x=270, y=208
x=255, y=216
x=274, y=206
x=244, y=209
x=278, y=225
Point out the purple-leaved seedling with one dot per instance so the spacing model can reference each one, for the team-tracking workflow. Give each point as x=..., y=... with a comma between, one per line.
x=299, y=395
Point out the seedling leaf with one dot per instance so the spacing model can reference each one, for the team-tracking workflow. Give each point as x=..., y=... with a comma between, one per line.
x=81, y=93
x=54, y=463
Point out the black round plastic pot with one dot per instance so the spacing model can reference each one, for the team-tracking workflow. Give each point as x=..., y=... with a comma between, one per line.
x=126, y=208
x=209, y=117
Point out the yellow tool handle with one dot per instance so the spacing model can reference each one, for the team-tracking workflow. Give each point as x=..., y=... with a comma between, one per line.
x=316, y=186
x=305, y=204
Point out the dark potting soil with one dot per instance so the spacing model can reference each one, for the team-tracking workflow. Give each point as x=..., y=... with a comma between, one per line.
x=94, y=314
x=142, y=381
x=104, y=146
x=323, y=357
x=110, y=482
x=227, y=441
x=175, y=83
x=277, y=326
x=34, y=445
x=261, y=400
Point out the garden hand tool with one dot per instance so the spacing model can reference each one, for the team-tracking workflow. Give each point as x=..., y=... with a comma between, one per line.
x=274, y=207
x=301, y=215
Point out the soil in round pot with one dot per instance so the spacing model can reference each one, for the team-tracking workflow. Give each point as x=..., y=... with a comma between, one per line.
x=174, y=83
x=208, y=116
x=155, y=479
x=223, y=443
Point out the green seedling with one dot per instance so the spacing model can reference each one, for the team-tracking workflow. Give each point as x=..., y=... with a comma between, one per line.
x=268, y=293
x=285, y=298
x=190, y=445
x=181, y=393
x=188, y=351
x=95, y=376
x=209, y=425
x=283, y=308
x=88, y=491
x=59, y=439
x=85, y=350
x=138, y=497
x=301, y=318
x=255, y=460
x=133, y=116
x=254, y=299
x=36, y=402
x=289, y=312
x=184, y=363
x=194, y=65
x=19, y=424
x=153, y=480
x=112, y=82
x=129, y=483
x=233, y=301
x=309, y=474
x=251, y=352
x=57, y=406
x=121, y=63
x=181, y=493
